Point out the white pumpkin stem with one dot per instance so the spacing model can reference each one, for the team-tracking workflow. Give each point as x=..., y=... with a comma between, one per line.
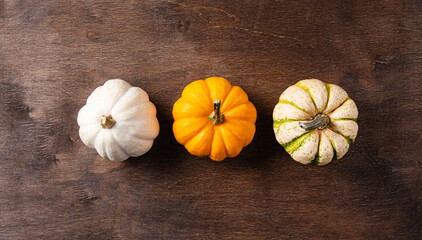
x=320, y=122
x=107, y=122
x=216, y=116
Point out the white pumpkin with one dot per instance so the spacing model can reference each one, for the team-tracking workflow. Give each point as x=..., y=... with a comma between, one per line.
x=119, y=121
x=315, y=122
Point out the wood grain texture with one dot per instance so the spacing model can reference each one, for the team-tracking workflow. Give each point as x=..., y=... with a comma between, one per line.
x=54, y=53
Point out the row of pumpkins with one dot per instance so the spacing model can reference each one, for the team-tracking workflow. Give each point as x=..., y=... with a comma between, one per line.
x=314, y=121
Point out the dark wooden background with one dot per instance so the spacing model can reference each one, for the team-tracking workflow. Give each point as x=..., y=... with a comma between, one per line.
x=54, y=53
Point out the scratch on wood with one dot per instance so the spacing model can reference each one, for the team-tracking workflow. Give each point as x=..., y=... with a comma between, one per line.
x=196, y=9
x=244, y=74
x=256, y=32
x=230, y=15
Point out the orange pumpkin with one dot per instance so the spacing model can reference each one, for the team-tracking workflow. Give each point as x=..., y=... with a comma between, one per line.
x=214, y=118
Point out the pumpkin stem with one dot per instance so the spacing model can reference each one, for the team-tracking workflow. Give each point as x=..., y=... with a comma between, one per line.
x=321, y=121
x=216, y=116
x=107, y=121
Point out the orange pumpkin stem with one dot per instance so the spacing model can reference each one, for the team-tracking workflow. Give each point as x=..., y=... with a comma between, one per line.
x=216, y=116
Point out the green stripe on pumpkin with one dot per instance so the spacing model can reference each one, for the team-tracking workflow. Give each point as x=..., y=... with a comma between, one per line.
x=345, y=119
x=306, y=89
x=341, y=104
x=294, y=139
x=315, y=161
x=292, y=103
x=349, y=140
x=334, y=149
x=296, y=143
x=283, y=121
x=328, y=87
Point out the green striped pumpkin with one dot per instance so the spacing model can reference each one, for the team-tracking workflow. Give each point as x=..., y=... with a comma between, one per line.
x=315, y=122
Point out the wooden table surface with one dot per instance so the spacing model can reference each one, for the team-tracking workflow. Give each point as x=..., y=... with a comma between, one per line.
x=53, y=54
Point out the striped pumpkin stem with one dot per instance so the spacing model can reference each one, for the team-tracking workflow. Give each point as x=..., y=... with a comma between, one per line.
x=320, y=122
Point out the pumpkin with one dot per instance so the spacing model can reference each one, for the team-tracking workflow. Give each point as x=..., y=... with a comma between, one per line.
x=315, y=122
x=214, y=118
x=118, y=120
